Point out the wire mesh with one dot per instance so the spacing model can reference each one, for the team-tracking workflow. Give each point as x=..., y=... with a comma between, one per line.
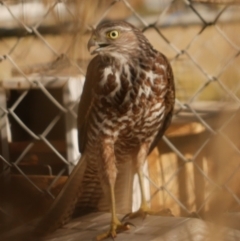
x=43, y=59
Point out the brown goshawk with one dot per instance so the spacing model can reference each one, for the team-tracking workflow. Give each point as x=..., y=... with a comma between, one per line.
x=126, y=105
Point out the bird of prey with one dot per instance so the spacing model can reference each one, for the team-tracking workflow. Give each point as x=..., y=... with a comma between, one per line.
x=126, y=105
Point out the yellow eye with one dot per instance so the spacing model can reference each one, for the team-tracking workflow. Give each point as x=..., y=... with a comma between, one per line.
x=113, y=34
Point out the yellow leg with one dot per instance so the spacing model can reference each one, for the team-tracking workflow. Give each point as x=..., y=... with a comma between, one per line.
x=115, y=226
x=144, y=205
x=144, y=210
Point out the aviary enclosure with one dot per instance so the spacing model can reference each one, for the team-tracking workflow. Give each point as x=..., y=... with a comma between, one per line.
x=195, y=171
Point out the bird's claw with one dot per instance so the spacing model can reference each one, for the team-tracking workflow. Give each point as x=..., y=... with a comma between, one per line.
x=125, y=216
x=129, y=224
x=139, y=213
x=115, y=228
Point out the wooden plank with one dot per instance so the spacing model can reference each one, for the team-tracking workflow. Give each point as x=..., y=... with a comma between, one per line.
x=4, y=137
x=21, y=83
x=42, y=182
x=177, y=129
x=39, y=146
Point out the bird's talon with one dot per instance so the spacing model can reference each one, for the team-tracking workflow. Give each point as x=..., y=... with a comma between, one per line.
x=143, y=212
x=129, y=224
x=116, y=228
x=125, y=216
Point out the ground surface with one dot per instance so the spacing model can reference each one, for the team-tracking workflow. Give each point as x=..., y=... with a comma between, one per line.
x=151, y=229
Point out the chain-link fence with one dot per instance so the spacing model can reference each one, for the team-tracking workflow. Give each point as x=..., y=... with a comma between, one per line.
x=43, y=60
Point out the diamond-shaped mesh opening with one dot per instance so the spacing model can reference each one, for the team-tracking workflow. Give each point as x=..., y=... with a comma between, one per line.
x=229, y=131
x=39, y=159
x=189, y=78
x=159, y=42
x=231, y=75
x=211, y=92
x=177, y=38
x=200, y=48
x=231, y=15
x=208, y=13
x=26, y=111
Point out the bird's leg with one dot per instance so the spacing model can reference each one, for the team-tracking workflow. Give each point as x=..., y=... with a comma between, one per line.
x=144, y=209
x=143, y=206
x=115, y=226
x=108, y=182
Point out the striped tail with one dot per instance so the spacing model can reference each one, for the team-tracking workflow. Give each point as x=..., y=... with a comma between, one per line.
x=83, y=193
x=93, y=197
x=63, y=206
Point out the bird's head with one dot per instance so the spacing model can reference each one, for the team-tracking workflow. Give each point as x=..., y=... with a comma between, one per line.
x=115, y=37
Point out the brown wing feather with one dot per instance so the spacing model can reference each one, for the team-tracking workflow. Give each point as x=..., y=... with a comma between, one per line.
x=92, y=197
x=85, y=104
x=169, y=101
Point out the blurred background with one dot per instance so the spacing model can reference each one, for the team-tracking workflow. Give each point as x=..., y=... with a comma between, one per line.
x=194, y=171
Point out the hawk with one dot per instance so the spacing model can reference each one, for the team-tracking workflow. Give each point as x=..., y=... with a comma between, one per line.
x=126, y=105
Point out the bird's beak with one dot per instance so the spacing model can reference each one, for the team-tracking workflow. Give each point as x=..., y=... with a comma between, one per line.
x=98, y=45
x=92, y=43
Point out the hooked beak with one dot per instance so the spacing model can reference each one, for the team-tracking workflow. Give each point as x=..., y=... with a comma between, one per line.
x=91, y=43
x=97, y=46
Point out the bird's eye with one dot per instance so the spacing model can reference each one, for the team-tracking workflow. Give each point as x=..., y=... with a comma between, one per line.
x=113, y=34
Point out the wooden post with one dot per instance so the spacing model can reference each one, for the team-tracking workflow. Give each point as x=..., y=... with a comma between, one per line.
x=4, y=168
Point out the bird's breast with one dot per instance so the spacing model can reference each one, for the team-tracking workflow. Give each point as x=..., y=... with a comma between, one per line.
x=129, y=105
x=121, y=86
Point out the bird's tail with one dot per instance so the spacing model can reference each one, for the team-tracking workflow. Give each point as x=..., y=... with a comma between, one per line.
x=83, y=193
x=63, y=206
x=95, y=197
